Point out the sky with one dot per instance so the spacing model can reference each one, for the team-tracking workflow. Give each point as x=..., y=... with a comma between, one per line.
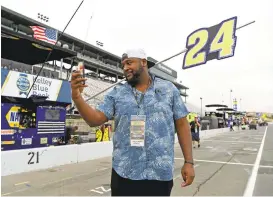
x=161, y=28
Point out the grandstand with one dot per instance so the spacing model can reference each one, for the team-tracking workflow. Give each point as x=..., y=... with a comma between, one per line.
x=102, y=67
x=95, y=86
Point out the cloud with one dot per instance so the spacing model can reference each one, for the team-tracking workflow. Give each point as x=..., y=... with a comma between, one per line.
x=162, y=28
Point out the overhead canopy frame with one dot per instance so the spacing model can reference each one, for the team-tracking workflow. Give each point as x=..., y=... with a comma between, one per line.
x=25, y=49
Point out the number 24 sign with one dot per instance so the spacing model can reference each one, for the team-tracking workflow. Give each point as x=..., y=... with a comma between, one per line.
x=216, y=42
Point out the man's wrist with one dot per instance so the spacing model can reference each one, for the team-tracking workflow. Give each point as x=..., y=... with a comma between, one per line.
x=189, y=162
x=77, y=98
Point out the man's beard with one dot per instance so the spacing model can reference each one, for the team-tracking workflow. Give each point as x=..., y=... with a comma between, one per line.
x=135, y=77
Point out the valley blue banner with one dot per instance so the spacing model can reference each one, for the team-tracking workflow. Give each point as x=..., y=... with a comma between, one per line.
x=17, y=84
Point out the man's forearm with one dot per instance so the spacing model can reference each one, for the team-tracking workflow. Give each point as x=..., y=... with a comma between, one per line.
x=185, y=140
x=91, y=116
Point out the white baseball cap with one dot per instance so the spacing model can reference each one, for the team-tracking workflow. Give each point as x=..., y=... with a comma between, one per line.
x=136, y=53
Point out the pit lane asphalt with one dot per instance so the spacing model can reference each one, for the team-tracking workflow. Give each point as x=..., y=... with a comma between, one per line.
x=223, y=167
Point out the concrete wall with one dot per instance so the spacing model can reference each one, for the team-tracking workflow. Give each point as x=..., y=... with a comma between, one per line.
x=18, y=161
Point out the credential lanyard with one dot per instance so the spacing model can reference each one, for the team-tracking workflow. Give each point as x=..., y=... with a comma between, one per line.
x=142, y=95
x=141, y=98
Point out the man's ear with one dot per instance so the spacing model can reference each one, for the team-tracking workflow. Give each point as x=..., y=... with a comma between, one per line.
x=144, y=63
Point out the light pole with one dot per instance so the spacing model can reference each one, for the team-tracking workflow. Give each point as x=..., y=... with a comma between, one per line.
x=230, y=99
x=201, y=106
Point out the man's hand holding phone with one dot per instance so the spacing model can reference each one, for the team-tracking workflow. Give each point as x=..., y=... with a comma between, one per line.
x=78, y=82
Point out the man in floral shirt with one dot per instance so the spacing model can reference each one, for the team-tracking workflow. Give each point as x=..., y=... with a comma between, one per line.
x=147, y=111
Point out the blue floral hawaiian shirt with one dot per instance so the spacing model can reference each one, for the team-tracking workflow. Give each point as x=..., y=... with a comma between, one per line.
x=162, y=104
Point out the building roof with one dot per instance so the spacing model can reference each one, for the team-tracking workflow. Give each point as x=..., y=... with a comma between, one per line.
x=10, y=17
x=26, y=21
x=216, y=105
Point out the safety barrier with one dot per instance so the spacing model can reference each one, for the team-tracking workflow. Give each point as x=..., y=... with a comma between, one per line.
x=95, y=150
x=211, y=133
x=26, y=160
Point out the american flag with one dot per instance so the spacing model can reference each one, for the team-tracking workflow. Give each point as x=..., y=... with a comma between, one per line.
x=45, y=34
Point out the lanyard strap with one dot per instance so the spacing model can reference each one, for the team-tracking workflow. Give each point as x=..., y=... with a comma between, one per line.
x=141, y=99
x=142, y=94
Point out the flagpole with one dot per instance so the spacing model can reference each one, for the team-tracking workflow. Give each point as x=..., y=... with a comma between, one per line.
x=85, y=40
x=58, y=38
x=87, y=31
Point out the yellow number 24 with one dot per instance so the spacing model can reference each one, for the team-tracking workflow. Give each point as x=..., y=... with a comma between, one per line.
x=199, y=48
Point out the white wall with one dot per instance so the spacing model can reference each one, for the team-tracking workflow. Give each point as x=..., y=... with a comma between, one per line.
x=25, y=160
x=211, y=133
x=90, y=151
x=18, y=161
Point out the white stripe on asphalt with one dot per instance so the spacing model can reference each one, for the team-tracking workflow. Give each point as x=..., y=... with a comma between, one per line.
x=252, y=180
x=226, y=162
x=231, y=141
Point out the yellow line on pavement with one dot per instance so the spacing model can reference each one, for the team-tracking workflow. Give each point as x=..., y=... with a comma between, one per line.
x=5, y=194
x=21, y=183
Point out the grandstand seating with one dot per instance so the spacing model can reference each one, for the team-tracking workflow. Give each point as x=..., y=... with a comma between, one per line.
x=95, y=86
x=104, y=62
x=21, y=67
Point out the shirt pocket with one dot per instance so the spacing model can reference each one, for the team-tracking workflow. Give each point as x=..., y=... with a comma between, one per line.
x=125, y=105
x=161, y=104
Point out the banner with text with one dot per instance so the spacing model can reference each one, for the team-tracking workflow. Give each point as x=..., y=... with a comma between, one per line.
x=17, y=84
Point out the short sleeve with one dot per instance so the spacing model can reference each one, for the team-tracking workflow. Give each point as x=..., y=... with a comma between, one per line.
x=179, y=108
x=108, y=104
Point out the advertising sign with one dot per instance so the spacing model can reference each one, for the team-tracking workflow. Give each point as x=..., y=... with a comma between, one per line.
x=17, y=84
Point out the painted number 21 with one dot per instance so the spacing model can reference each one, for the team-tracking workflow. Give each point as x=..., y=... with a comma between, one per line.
x=203, y=42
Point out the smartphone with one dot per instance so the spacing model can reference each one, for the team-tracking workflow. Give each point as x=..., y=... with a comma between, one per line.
x=82, y=70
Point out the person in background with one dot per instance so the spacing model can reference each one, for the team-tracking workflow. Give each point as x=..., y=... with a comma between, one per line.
x=68, y=134
x=195, y=127
x=231, y=125
x=238, y=123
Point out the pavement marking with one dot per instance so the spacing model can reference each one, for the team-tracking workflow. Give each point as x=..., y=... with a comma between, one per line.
x=102, y=190
x=248, y=171
x=195, y=166
x=236, y=160
x=218, y=150
x=232, y=141
x=209, y=147
x=242, y=152
x=21, y=183
x=5, y=194
x=101, y=169
x=225, y=162
x=245, y=169
x=229, y=153
x=93, y=190
x=252, y=180
x=67, y=178
x=20, y=190
x=255, y=138
x=250, y=149
x=242, y=135
x=263, y=166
